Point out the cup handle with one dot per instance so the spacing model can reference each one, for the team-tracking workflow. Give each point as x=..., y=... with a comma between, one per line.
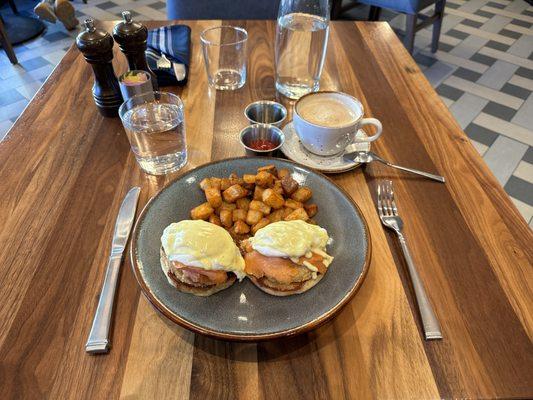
x=370, y=121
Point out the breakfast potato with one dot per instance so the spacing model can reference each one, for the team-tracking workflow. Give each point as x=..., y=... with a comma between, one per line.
x=205, y=183
x=258, y=193
x=249, y=187
x=215, y=219
x=272, y=199
x=299, y=213
x=210, y=183
x=276, y=216
x=241, y=228
x=224, y=183
x=233, y=193
x=302, y=194
x=293, y=204
x=289, y=185
x=260, y=206
x=268, y=168
x=215, y=182
x=261, y=224
x=286, y=211
x=243, y=204
x=253, y=217
x=283, y=172
x=203, y=211
x=226, y=218
x=278, y=188
x=227, y=206
x=239, y=215
x=213, y=196
x=235, y=180
x=264, y=179
x=248, y=178
x=311, y=209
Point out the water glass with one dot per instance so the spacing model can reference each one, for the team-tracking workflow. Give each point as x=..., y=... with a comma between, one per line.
x=301, y=43
x=224, y=49
x=155, y=125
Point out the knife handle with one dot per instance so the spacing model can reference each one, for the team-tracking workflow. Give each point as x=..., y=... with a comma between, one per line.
x=98, y=341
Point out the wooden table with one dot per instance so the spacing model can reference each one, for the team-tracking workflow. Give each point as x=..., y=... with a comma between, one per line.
x=64, y=170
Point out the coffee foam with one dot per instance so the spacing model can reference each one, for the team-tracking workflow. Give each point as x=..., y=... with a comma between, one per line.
x=329, y=109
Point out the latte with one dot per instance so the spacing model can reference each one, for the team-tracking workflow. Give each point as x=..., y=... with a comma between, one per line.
x=328, y=110
x=327, y=122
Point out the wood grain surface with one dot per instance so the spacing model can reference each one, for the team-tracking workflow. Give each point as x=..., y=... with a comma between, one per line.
x=64, y=170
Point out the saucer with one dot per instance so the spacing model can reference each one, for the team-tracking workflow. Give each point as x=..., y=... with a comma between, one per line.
x=294, y=150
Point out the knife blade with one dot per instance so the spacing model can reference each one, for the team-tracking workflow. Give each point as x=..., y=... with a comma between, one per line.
x=125, y=219
x=98, y=341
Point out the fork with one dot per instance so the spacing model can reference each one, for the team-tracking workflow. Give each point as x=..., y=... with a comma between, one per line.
x=388, y=213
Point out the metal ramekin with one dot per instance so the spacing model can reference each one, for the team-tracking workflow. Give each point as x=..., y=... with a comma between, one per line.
x=262, y=132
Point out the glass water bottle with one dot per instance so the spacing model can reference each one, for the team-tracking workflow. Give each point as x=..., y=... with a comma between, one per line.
x=301, y=43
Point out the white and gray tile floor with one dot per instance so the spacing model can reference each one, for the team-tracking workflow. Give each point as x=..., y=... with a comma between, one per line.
x=483, y=71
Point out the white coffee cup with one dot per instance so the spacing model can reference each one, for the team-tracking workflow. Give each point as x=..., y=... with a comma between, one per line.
x=327, y=122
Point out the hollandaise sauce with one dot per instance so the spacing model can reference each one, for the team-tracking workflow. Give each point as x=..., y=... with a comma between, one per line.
x=292, y=239
x=203, y=245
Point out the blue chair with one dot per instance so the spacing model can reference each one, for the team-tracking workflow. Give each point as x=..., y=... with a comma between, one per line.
x=222, y=9
x=411, y=9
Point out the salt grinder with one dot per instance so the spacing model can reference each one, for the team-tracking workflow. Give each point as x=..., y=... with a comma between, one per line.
x=131, y=38
x=97, y=48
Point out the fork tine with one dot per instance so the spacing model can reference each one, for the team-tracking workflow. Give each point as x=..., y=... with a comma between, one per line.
x=389, y=203
x=386, y=200
x=384, y=203
x=393, y=202
x=380, y=205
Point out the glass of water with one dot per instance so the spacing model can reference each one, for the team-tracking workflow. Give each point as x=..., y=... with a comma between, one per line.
x=155, y=125
x=301, y=43
x=224, y=49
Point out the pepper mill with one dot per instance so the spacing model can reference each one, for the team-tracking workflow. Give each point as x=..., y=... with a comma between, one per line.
x=97, y=48
x=131, y=38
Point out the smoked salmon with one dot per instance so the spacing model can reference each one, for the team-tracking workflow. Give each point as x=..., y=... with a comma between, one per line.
x=199, y=275
x=317, y=260
x=280, y=269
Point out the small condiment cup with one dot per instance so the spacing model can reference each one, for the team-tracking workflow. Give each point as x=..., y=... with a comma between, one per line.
x=136, y=82
x=265, y=112
x=261, y=132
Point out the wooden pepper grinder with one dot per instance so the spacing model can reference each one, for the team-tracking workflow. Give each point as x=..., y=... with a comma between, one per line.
x=131, y=38
x=97, y=48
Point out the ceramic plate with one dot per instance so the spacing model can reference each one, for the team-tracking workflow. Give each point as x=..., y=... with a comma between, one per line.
x=243, y=312
x=293, y=149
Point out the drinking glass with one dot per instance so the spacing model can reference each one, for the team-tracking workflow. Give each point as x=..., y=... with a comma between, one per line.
x=301, y=43
x=224, y=49
x=155, y=125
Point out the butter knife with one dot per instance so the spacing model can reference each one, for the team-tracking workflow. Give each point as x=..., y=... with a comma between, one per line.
x=98, y=341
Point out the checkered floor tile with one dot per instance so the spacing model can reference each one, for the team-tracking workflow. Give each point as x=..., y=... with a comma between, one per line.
x=483, y=72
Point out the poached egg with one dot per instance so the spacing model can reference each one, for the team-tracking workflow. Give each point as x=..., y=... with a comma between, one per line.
x=290, y=239
x=203, y=245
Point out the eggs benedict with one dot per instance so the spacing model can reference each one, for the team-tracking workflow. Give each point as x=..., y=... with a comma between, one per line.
x=200, y=258
x=287, y=257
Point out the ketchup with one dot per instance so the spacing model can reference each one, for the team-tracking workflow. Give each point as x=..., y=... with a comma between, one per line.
x=262, y=144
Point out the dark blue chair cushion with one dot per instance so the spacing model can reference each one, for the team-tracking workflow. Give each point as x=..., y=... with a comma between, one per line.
x=222, y=9
x=404, y=6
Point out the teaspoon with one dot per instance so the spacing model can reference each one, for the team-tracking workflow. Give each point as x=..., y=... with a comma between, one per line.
x=365, y=157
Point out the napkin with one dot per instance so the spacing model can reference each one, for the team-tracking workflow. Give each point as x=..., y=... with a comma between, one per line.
x=168, y=54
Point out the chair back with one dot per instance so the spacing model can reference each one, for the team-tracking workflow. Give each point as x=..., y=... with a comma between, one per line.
x=222, y=9
x=404, y=6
